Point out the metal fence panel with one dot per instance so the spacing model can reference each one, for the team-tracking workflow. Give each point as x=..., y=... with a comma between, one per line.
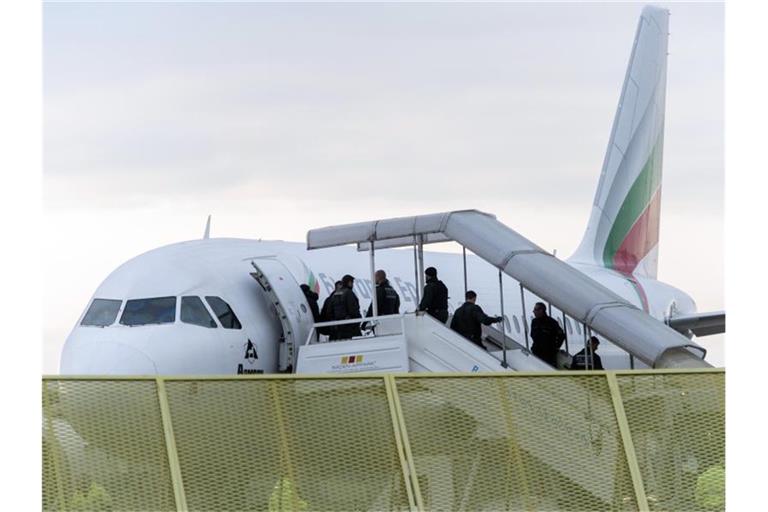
x=103, y=447
x=287, y=444
x=516, y=443
x=677, y=423
x=557, y=441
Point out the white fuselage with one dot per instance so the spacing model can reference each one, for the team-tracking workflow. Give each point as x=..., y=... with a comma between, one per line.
x=222, y=268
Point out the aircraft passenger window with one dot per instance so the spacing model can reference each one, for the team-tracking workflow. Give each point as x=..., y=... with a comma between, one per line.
x=193, y=312
x=578, y=327
x=224, y=313
x=568, y=323
x=514, y=319
x=160, y=310
x=102, y=312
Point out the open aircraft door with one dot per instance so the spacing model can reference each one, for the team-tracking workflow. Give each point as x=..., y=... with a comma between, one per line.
x=291, y=307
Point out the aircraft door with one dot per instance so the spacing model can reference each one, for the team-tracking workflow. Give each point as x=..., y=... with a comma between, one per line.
x=291, y=306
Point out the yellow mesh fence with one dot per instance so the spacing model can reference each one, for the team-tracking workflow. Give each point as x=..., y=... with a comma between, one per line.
x=557, y=441
x=516, y=443
x=103, y=447
x=280, y=444
x=677, y=422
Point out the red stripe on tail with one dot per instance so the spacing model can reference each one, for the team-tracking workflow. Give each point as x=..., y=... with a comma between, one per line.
x=641, y=238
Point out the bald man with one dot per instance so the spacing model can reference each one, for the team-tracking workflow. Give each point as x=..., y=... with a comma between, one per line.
x=387, y=299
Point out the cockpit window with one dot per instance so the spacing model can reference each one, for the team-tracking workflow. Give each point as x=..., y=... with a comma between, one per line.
x=102, y=312
x=193, y=312
x=224, y=313
x=161, y=310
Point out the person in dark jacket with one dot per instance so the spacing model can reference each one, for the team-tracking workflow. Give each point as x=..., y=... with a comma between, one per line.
x=312, y=301
x=345, y=305
x=435, y=298
x=584, y=360
x=469, y=317
x=387, y=299
x=326, y=313
x=547, y=335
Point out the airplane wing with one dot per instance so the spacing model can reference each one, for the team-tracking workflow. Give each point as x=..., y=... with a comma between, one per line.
x=700, y=324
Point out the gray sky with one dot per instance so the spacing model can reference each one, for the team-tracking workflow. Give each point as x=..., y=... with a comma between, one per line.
x=279, y=118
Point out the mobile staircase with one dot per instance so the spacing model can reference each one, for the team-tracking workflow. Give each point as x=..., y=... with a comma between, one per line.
x=419, y=343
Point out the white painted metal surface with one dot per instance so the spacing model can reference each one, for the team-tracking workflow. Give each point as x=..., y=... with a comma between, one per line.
x=289, y=302
x=365, y=355
x=428, y=346
x=433, y=347
x=636, y=142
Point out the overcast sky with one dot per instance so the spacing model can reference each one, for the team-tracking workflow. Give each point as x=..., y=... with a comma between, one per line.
x=280, y=118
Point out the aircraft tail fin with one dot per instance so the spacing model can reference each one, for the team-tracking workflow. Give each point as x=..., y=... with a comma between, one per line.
x=623, y=229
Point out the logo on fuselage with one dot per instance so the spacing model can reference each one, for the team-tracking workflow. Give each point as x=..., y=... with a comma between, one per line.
x=250, y=353
x=250, y=356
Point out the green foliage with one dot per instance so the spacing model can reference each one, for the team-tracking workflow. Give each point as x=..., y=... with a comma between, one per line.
x=285, y=498
x=710, y=488
x=97, y=499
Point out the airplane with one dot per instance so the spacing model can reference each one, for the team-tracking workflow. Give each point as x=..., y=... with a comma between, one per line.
x=194, y=307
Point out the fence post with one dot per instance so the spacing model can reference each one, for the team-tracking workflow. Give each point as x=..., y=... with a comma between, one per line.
x=170, y=445
x=626, y=440
x=286, y=464
x=54, y=449
x=401, y=437
x=512, y=440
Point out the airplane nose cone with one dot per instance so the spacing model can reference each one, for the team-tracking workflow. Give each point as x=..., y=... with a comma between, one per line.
x=105, y=358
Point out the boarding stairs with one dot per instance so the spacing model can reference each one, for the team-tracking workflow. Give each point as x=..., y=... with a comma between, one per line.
x=409, y=342
x=426, y=345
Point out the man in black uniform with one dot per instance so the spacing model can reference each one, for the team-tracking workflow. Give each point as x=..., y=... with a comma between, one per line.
x=435, y=298
x=344, y=305
x=467, y=319
x=312, y=301
x=326, y=314
x=387, y=299
x=584, y=360
x=547, y=335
